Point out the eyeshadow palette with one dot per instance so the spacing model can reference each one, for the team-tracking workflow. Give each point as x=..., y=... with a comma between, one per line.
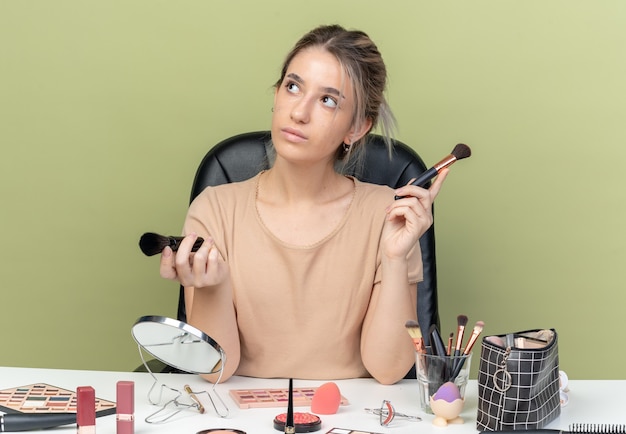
x=43, y=398
x=264, y=398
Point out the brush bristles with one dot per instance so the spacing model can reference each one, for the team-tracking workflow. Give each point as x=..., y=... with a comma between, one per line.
x=411, y=323
x=461, y=320
x=153, y=244
x=461, y=151
x=414, y=329
x=415, y=333
x=479, y=326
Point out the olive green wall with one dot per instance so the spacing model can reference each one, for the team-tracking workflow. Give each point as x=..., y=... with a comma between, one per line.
x=106, y=107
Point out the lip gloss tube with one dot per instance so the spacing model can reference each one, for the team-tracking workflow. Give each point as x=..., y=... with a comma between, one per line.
x=86, y=410
x=125, y=407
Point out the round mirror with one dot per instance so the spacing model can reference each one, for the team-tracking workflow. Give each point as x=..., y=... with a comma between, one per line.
x=178, y=344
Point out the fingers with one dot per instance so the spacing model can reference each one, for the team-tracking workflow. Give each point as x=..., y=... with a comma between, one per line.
x=198, y=261
x=407, y=220
x=167, y=267
x=413, y=211
x=200, y=269
x=185, y=264
x=438, y=182
x=190, y=264
x=425, y=196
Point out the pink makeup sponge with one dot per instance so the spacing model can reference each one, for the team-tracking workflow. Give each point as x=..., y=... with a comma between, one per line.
x=326, y=399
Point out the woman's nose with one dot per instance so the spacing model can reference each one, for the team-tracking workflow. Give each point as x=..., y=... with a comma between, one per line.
x=300, y=112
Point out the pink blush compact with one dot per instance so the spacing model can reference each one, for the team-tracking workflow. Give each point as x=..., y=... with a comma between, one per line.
x=303, y=422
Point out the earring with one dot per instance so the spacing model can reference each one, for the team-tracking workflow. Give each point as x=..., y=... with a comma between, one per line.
x=346, y=147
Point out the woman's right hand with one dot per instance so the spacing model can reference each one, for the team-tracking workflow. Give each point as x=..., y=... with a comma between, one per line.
x=200, y=269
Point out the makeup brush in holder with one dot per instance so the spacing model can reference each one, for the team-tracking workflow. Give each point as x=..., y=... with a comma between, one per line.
x=442, y=369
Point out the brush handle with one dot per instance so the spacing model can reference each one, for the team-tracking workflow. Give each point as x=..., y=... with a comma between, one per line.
x=152, y=243
x=423, y=179
x=31, y=422
x=436, y=342
x=455, y=364
x=456, y=354
x=175, y=243
x=456, y=369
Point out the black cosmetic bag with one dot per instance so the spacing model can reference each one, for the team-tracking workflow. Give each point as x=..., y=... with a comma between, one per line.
x=518, y=381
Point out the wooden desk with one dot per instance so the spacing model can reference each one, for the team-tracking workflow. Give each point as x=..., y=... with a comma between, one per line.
x=589, y=402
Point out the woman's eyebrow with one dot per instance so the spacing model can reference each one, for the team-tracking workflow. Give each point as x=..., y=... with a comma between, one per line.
x=295, y=77
x=330, y=90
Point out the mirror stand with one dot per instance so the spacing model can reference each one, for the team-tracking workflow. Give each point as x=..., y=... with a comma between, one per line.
x=184, y=347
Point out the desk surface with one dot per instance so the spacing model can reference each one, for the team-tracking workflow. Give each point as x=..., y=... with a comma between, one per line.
x=589, y=402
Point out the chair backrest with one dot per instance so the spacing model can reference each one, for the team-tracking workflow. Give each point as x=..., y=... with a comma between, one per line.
x=241, y=157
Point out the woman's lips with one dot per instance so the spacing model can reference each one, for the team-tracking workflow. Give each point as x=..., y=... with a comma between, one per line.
x=293, y=135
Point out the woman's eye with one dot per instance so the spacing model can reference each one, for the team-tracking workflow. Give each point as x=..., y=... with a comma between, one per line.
x=292, y=87
x=329, y=102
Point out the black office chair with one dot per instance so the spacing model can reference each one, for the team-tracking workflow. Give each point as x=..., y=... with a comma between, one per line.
x=241, y=157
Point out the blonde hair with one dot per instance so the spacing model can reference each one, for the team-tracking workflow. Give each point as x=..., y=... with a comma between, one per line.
x=364, y=66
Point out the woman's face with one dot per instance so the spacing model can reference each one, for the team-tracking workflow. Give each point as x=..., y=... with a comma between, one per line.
x=313, y=108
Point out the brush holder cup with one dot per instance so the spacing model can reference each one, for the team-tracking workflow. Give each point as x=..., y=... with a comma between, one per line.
x=441, y=381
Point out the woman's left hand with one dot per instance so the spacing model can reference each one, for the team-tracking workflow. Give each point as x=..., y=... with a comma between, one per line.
x=409, y=217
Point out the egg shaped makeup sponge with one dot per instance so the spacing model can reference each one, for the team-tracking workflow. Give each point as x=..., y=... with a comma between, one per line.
x=449, y=392
x=326, y=399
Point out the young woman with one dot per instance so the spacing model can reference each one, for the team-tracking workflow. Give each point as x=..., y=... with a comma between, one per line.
x=305, y=272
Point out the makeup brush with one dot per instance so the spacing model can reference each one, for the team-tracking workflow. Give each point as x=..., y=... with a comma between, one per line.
x=415, y=332
x=461, y=322
x=478, y=329
x=290, y=427
x=151, y=243
x=450, y=343
x=577, y=428
x=459, y=152
x=438, y=347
